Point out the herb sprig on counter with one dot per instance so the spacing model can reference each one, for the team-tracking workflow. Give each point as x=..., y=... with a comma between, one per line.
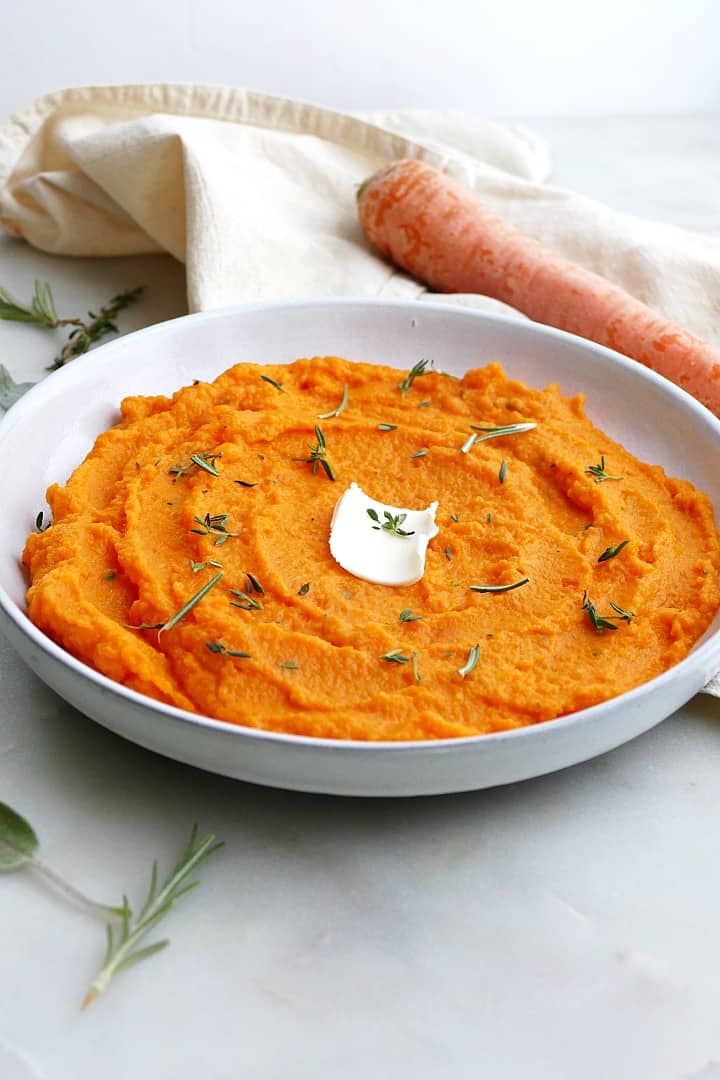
x=18, y=849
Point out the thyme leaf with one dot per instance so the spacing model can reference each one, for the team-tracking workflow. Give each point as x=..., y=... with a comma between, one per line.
x=420, y=453
x=214, y=525
x=611, y=552
x=503, y=471
x=289, y=665
x=304, y=589
x=407, y=616
x=387, y=427
x=245, y=600
x=395, y=657
x=196, y=461
x=220, y=649
x=255, y=584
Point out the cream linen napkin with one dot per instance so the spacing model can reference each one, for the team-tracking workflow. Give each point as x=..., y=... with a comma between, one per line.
x=255, y=194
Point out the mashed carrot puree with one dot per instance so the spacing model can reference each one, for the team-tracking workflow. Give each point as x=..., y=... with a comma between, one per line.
x=140, y=525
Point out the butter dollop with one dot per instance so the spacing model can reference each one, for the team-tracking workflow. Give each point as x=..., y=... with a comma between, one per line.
x=376, y=554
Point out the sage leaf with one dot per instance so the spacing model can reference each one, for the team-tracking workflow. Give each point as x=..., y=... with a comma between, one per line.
x=18, y=840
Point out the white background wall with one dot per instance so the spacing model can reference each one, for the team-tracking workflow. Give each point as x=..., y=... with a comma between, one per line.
x=520, y=58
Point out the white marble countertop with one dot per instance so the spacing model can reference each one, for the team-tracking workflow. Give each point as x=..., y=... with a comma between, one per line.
x=561, y=928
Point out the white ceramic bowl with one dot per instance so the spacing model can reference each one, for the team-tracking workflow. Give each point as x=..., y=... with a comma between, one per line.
x=53, y=427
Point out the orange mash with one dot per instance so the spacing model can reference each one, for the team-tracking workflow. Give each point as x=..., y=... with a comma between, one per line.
x=204, y=494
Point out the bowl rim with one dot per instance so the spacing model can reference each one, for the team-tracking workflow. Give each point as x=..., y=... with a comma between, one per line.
x=630, y=698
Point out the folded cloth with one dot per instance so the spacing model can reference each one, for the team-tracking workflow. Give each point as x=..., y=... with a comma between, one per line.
x=256, y=195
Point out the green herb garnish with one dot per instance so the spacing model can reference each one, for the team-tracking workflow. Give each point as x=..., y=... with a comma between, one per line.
x=318, y=455
x=598, y=471
x=448, y=553
x=420, y=453
x=503, y=471
x=407, y=616
x=499, y=588
x=454, y=517
x=425, y=404
x=40, y=525
x=245, y=600
x=468, y=444
x=122, y=952
x=255, y=584
x=190, y=604
x=471, y=662
x=289, y=665
x=220, y=650
x=395, y=657
x=304, y=589
x=196, y=461
x=340, y=409
x=416, y=668
x=111, y=575
x=244, y=483
x=489, y=518
x=387, y=427
x=278, y=385
x=214, y=525
x=623, y=616
x=598, y=623
x=197, y=566
x=415, y=372
x=611, y=552
x=392, y=523
x=11, y=391
x=499, y=432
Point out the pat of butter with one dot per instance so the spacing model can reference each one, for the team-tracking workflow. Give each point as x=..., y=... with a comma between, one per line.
x=376, y=554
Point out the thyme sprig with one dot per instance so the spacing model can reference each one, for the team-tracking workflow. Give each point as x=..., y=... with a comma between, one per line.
x=611, y=552
x=598, y=471
x=122, y=948
x=340, y=409
x=41, y=311
x=318, y=455
x=601, y=623
x=184, y=610
x=414, y=373
x=206, y=462
x=214, y=525
x=392, y=523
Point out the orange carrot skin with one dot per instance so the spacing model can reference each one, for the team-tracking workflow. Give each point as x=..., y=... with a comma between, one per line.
x=439, y=231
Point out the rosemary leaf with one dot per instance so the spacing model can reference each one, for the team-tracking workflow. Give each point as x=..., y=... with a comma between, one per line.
x=471, y=662
x=395, y=657
x=278, y=385
x=340, y=409
x=190, y=604
x=611, y=552
x=499, y=588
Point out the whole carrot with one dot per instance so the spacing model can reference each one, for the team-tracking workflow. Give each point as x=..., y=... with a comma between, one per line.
x=440, y=232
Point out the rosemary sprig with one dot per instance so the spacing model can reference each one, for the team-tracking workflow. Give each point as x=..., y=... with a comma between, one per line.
x=392, y=523
x=598, y=622
x=278, y=385
x=415, y=372
x=191, y=603
x=219, y=649
x=86, y=332
x=245, y=600
x=214, y=525
x=611, y=552
x=340, y=409
x=598, y=471
x=499, y=588
x=471, y=662
x=407, y=616
x=318, y=455
x=122, y=951
x=395, y=656
x=206, y=462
